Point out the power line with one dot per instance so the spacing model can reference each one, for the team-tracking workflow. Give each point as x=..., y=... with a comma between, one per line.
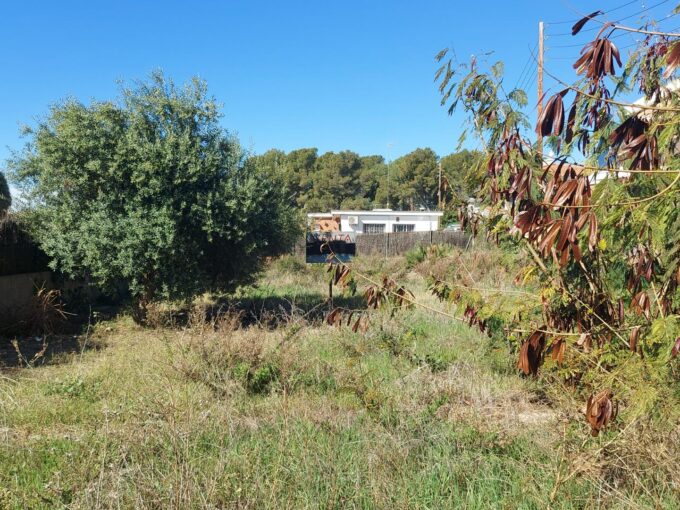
x=530, y=76
x=581, y=44
x=559, y=34
x=643, y=10
x=531, y=79
x=672, y=15
x=526, y=68
x=606, y=12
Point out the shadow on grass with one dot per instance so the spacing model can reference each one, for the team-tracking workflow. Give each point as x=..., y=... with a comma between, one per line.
x=35, y=351
x=269, y=312
x=24, y=345
x=19, y=349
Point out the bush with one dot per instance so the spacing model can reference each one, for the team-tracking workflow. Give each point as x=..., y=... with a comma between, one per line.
x=150, y=191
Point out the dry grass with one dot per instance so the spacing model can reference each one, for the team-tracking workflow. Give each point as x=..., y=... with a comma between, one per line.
x=419, y=412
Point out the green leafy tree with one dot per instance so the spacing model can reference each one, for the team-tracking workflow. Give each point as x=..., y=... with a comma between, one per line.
x=414, y=180
x=150, y=191
x=335, y=180
x=372, y=173
x=298, y=173
x=460, y=169
x=350, y=181
x=5, y=196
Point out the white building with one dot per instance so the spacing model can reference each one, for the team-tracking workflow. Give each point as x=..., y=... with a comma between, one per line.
x=377, y=221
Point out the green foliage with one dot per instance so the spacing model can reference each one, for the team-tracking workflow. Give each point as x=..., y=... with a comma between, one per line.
x=149, y=191
x=75, y=387
x=461, y=169
x=414, y=179
x=256, y=379
x=430, y=252
x=347, y=180
x=415, y=256
x=605, y=255
x=5, y=197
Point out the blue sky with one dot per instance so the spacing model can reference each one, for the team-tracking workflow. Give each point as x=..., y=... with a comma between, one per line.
x=334, y=75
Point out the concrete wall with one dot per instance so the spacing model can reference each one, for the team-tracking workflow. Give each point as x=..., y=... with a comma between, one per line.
x=17, y=290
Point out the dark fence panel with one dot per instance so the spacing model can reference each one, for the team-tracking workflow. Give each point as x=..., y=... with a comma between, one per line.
x=391, y=244
x=18, y=253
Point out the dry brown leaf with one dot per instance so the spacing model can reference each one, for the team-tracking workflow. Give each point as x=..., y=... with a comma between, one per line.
x=600, y=410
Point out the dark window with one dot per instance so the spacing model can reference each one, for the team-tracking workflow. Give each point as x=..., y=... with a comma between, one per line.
x=374, y=228
x=403, y=227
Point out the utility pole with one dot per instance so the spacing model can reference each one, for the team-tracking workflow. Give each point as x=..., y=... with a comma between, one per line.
x=389, y=162
x=439, y=189
x=388, y=185
x=539, y=143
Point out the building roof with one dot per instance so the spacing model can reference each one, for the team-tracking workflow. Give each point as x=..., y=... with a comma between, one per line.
x=672, y=87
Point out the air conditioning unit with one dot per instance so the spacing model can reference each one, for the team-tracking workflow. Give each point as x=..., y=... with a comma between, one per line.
x=353, y=220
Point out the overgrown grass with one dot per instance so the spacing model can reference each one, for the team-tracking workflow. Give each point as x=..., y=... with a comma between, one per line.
x=418, y=412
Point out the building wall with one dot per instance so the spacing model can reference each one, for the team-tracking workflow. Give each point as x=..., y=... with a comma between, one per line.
x=421, y=222
x=17, y=290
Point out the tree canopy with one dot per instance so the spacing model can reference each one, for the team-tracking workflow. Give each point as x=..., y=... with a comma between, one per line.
x=150, y=192
x=347, y=180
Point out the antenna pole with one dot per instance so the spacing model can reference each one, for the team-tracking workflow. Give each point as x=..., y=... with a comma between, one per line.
x=439, y=189
x=539, y=142
x=389, y=163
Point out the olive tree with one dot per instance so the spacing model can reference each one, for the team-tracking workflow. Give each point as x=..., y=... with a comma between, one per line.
x=151, y=192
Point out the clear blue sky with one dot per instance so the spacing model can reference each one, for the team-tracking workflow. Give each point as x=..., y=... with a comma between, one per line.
x=334, y=75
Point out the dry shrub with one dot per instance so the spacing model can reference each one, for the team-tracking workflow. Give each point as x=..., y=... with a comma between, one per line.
x=465, y=393
x=199, y=318
x=637, y=454
x=439, y=268
x=219, y=351
x=43, y=315
x=224, y=358
x=647, y=458
x=640, y=459
x=228, y=320
x=25, y=361
x=158, y=316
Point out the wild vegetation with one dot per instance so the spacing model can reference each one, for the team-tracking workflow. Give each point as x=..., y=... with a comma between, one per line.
x=603, y=258
x=537, y=368
x=149, y=194
x=265, y=405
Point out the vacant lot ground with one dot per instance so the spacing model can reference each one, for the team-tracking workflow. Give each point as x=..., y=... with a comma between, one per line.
x=268, y=407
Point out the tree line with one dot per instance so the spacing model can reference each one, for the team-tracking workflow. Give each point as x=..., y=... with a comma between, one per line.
x=332, y=180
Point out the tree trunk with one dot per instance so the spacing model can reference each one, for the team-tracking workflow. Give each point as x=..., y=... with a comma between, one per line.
x=140, y=311
x=140, y=307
